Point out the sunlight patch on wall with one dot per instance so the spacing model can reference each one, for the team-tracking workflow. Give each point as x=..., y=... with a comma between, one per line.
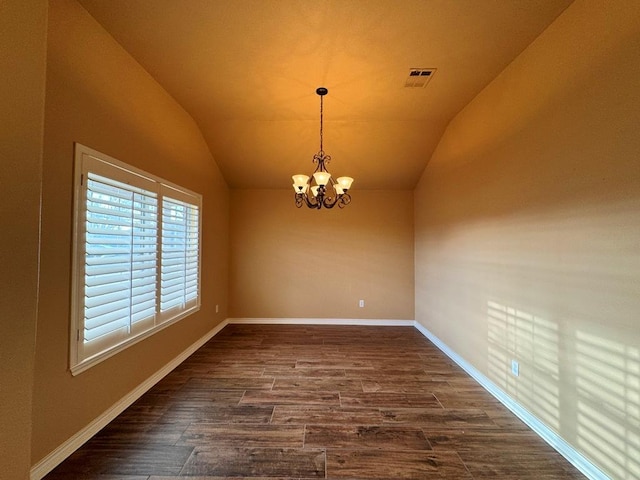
x=532, y=342
x=608, y=410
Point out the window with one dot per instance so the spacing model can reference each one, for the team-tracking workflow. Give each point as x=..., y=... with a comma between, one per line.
x=136, y=256
x=179, y=266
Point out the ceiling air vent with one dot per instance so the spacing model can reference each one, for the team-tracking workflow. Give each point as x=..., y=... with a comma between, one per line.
x=419, y=77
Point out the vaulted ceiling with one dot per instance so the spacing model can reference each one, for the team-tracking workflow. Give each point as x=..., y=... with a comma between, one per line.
x=247, y=71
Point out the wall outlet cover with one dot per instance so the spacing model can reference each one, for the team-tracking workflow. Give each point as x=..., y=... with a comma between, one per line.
x=515, y=368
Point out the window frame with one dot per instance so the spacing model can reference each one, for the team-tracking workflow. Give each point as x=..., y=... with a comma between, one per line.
x=88, y=160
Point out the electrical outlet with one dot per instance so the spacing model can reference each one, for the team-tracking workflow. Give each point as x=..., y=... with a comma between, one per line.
x=361, y=303
x=515, y=368
x=217, y=308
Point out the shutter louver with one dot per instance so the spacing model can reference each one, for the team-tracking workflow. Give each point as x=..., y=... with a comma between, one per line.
x=179, y=259
x=120, y=260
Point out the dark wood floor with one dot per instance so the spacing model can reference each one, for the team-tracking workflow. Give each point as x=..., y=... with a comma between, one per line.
x=309, y=402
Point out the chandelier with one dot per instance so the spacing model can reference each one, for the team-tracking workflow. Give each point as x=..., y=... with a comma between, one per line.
x=319, y=195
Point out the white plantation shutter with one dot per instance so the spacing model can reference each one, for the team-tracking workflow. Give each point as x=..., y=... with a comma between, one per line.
x=120, y=262
x=136, y=261
x=180, y=259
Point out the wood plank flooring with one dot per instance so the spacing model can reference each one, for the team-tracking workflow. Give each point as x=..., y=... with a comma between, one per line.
x=285, y=402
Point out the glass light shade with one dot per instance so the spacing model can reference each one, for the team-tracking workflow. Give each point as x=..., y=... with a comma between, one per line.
x=345, y=182
x=301, y=188
x=300, y=180
x=322, y=178
x=339, y=189
x=314, y=190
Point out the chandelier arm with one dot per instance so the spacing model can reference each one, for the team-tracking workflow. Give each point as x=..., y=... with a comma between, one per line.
x=342, y=200
x=345, y=200
x=312, y=203
x=303, y=198
x=330, y=202
x=321, y=160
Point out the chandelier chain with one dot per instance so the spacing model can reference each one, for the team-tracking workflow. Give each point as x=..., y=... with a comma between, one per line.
x=321, y=116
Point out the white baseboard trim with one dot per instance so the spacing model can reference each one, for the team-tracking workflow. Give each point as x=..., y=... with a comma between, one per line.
x=57, y=456
x=323, y=321
x=565, y=449
x=48, y=463
x=51, y=461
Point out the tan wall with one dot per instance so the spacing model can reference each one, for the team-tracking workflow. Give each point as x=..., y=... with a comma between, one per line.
x=22, y=63
x=99, y=96
x=528, y=232
x=300, y=263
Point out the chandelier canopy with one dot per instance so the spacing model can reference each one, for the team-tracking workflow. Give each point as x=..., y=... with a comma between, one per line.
x=319, y=195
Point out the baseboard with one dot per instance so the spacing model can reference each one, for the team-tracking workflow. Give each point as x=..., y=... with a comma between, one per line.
x=51, y=461
x=565, y=449
x=324, y=321
x=48, y=463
